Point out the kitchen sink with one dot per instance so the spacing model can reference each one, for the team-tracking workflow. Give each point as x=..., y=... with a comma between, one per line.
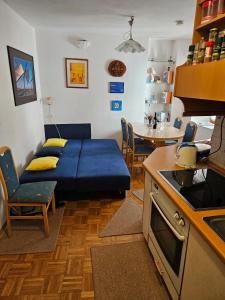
x=217, y=224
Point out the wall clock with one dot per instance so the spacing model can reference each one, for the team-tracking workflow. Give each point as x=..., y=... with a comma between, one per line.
x=117, y=68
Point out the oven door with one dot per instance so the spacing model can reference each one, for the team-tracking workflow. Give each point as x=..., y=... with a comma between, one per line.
x=168, y=242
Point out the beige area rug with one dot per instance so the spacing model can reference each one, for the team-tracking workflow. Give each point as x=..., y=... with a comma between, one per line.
x=125, y=272
x=127, y=220
x=28, y=235
x=139, y=194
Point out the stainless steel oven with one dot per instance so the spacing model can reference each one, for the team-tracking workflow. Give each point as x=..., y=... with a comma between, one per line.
x=168, y=235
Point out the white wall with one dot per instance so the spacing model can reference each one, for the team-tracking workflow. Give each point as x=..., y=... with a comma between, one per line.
x=21, y=127
x=93, y=104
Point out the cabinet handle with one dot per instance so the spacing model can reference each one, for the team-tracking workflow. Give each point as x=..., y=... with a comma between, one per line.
x=157, y=263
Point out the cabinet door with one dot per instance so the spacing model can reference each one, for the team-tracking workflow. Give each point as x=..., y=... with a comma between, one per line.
x=146, y=211
x=204, y=273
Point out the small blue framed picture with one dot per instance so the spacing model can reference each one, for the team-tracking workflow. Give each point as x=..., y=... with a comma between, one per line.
x=116, y=87
x=116, y=105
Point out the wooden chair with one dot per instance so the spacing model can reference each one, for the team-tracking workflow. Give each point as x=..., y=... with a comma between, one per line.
x=124, y=146
x=136, y=151
x=190, y=132
x=36, y=194
x=124, y=136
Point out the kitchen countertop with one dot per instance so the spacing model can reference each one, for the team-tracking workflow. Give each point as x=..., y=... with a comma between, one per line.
x=164, y=159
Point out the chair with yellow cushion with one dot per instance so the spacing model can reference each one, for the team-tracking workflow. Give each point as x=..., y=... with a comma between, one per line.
x=16, y=195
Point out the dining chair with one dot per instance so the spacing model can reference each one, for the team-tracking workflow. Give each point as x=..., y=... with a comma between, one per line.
x=136, y=151
x=17, y=196
x=124, y=146
x=177, y=124
x=124, y=135
x=190, y=132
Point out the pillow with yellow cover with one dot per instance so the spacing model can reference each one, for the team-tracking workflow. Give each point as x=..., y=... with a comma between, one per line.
x=55, y=142
x=43, y=163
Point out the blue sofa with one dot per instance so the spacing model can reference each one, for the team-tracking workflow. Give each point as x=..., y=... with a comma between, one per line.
x=86, y=165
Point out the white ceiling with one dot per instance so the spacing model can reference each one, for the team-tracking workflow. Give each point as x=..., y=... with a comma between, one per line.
x=156, y=17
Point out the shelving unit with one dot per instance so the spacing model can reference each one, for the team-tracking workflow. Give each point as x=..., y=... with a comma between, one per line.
x=154, y=90
x=201, y=87
x=218, y=22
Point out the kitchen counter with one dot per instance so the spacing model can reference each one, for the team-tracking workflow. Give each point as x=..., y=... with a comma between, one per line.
x=164, y=159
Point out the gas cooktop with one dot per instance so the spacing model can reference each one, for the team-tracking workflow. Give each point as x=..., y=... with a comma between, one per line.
x=202, y=189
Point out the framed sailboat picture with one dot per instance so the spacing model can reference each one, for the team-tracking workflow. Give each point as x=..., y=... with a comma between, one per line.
x=22, y=75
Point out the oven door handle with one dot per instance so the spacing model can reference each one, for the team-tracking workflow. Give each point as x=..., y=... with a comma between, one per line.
x=180, y=237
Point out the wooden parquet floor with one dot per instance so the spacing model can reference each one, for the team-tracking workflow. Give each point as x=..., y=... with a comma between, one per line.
x=66, y=273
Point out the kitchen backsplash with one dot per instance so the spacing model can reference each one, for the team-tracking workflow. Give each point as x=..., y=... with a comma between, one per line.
x=219, y=157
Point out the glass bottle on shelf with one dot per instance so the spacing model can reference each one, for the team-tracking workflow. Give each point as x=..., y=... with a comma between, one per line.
x=155, y=121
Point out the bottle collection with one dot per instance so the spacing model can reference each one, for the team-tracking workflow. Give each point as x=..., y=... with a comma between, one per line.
x=211, y=9
x=208, y=50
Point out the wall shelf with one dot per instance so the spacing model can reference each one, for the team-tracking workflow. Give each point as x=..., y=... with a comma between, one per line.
x=218, y=22
x=203, y=82
x=201, y=87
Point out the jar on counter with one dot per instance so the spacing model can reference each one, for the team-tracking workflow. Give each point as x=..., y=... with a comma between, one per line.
x=208, y=51
x=221, y=7
x=190, y=55
x=213, y=33
x=214, y=8
x=201, y=52
x=222, y=53
x=217, y=49
x=195, y=57
x=207, y=7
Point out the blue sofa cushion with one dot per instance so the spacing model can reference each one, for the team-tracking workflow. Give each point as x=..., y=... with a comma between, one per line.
x=49, y=151
x=102, y=167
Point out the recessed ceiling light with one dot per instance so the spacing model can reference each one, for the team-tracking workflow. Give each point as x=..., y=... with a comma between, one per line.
x=179, y=22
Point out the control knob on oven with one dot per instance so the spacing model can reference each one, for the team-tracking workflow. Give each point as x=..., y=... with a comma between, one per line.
x=181, y=222
x=176, y=216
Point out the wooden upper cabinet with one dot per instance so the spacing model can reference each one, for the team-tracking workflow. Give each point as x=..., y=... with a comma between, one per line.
x=202, y=87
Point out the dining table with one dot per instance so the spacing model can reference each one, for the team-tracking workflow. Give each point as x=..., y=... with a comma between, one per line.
x=163, y=132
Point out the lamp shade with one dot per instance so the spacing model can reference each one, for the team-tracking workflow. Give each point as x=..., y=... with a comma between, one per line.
x=130, y=45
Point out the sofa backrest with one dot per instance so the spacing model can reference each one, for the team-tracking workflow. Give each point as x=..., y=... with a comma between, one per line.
x=68, y=131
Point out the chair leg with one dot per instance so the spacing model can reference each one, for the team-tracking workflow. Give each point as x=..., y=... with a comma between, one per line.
x=45, y=215
x=53, y=204
x=8, y=222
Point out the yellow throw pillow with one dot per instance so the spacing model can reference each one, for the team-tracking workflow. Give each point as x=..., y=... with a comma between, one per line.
x=55, y=143
x=43, y=163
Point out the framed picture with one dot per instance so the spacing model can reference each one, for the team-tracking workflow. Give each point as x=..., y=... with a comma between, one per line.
x=116, y=87
x=22, y=75
x=76, y=73
x=116, y=105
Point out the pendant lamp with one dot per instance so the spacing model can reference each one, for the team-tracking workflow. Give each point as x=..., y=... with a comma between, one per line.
x=130, y=45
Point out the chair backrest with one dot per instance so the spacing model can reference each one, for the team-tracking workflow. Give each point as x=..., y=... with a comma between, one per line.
x=178, y=123
x=190, y=132
x=124, y=130
x=8, y=175
x=130, y=140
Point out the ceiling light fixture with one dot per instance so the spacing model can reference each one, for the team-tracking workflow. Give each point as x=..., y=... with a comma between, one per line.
x=179, y=22
x=130, y=45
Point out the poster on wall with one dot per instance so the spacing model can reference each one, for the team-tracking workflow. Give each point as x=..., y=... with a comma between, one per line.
x=116, y=87
x=22, y=75
x=116, y=105
x=76, y=73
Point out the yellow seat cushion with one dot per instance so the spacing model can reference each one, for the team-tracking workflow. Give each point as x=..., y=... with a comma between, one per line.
x=54, y=142
x=43, y=163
